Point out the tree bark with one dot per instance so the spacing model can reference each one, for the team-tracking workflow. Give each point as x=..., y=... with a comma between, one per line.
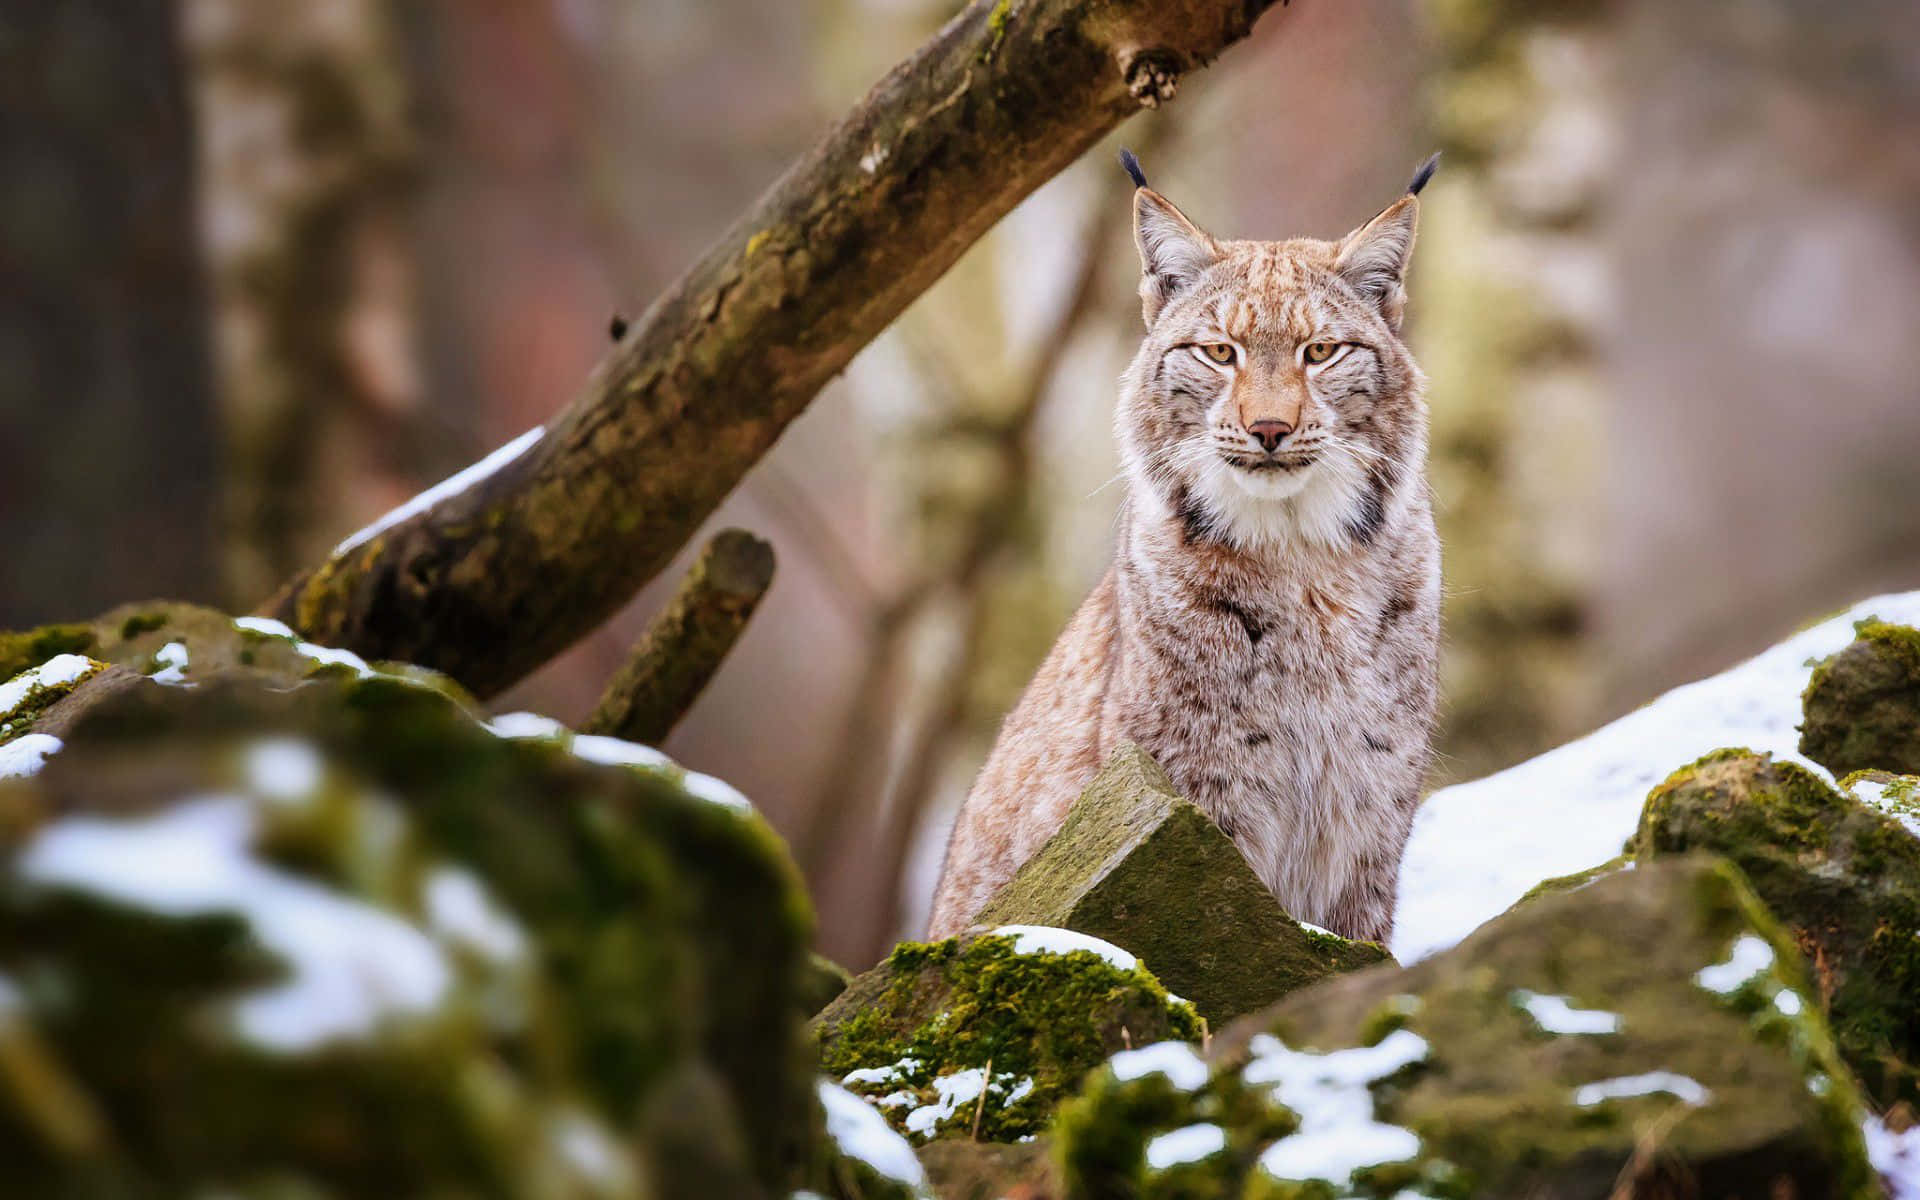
x=109, y=438
x=490, y=581
x=686, y=643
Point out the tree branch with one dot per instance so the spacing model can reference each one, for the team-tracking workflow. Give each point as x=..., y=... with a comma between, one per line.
x=488, y=582
x=683, y=647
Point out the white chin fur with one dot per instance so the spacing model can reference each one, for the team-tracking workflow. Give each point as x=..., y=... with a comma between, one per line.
x=1312, y=504
x=1272, y=485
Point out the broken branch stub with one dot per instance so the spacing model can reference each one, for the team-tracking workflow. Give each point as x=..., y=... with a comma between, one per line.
x=683, y=647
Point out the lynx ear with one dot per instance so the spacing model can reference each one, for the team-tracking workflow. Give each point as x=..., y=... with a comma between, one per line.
x=1173, y=250
x=1373, y=258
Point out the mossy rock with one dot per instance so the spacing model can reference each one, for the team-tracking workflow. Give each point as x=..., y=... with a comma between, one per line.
x=184, y=643
x=1562, y=884
x=994, y=1029
x=339, y=939
x=1842, y=876
x=27, y=695
x=1136, y=865
x=1648, y=1030
x=1863, y=704
x=960, y=1170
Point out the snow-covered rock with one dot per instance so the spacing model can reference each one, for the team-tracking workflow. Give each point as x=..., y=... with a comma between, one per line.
x=1478, y=847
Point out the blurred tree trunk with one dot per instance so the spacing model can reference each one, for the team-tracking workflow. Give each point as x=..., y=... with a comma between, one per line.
x=108, y=448
x=1510, y=315
x=306, y=150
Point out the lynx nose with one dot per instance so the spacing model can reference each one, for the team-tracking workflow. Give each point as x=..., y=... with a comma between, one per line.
x=1270, y=432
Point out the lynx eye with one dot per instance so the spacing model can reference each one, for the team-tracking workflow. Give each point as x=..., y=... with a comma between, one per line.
x=1319, y=352
x=1219, y=352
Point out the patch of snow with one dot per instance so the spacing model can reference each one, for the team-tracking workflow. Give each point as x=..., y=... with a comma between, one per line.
x=892, y=1073
x=1750, y=956
x=266, y=627
x=715, y=791
x=1331, y=1095
x=1178, y=1061
x=453, y=485
x=283, y=768
x=862, y=1133
x=351, y=965
x=1881, y=794
x=1190, y=1143
x=1690, y=1092
x=587, y=1146
x=57, y=671
x=25, y=755
x=1896, y=1156
x=328, y=656
x=614, y=752
x=900, y=1099
x=525, y=725
x=172, y=658
x=1788, y=1002
x=871, y=160
x=1478, y=847
x=950, y=1092
x=1020, y=1091
x=1045, y=939
x=460, y=910
x=1556, y=1014
x=1310, y=927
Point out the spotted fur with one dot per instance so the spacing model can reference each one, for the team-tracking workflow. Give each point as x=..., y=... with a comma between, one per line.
x=1270, y=625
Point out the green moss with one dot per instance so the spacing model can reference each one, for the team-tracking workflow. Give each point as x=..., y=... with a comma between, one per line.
x=19, y=720
x=1862, y=706
x=1039, y=1020
x=997, y=22
x=1560, y=884
x=1842, y=876
x=1492, y=1104
x=665, y=941
x=26, y=650
x=1138, y=866
x=136, y=624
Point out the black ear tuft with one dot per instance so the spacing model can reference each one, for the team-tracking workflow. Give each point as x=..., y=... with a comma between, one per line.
x=1425, y=173
x=1132, y=165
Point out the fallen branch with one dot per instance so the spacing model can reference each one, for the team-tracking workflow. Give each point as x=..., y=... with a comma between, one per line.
x=493, y=578
x=683, y=647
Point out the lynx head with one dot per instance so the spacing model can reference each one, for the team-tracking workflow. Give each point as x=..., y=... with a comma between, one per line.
x=1272, y=401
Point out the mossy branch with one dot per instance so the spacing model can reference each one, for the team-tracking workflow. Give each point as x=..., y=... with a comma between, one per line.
x=681, y=650
x=489, y=582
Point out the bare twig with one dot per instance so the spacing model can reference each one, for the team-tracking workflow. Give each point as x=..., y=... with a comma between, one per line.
x=684, y=645
x=980, y=1106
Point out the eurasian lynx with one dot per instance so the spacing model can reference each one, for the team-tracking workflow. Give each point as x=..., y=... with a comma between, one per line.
x=1269, y=627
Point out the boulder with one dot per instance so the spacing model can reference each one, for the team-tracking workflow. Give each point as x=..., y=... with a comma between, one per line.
x=960, y=1170
x=336, y=937
x=1842, y=876
x=981, y=1037
x=1651, y=1034
x=1863, y=704
x=1136, y=865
